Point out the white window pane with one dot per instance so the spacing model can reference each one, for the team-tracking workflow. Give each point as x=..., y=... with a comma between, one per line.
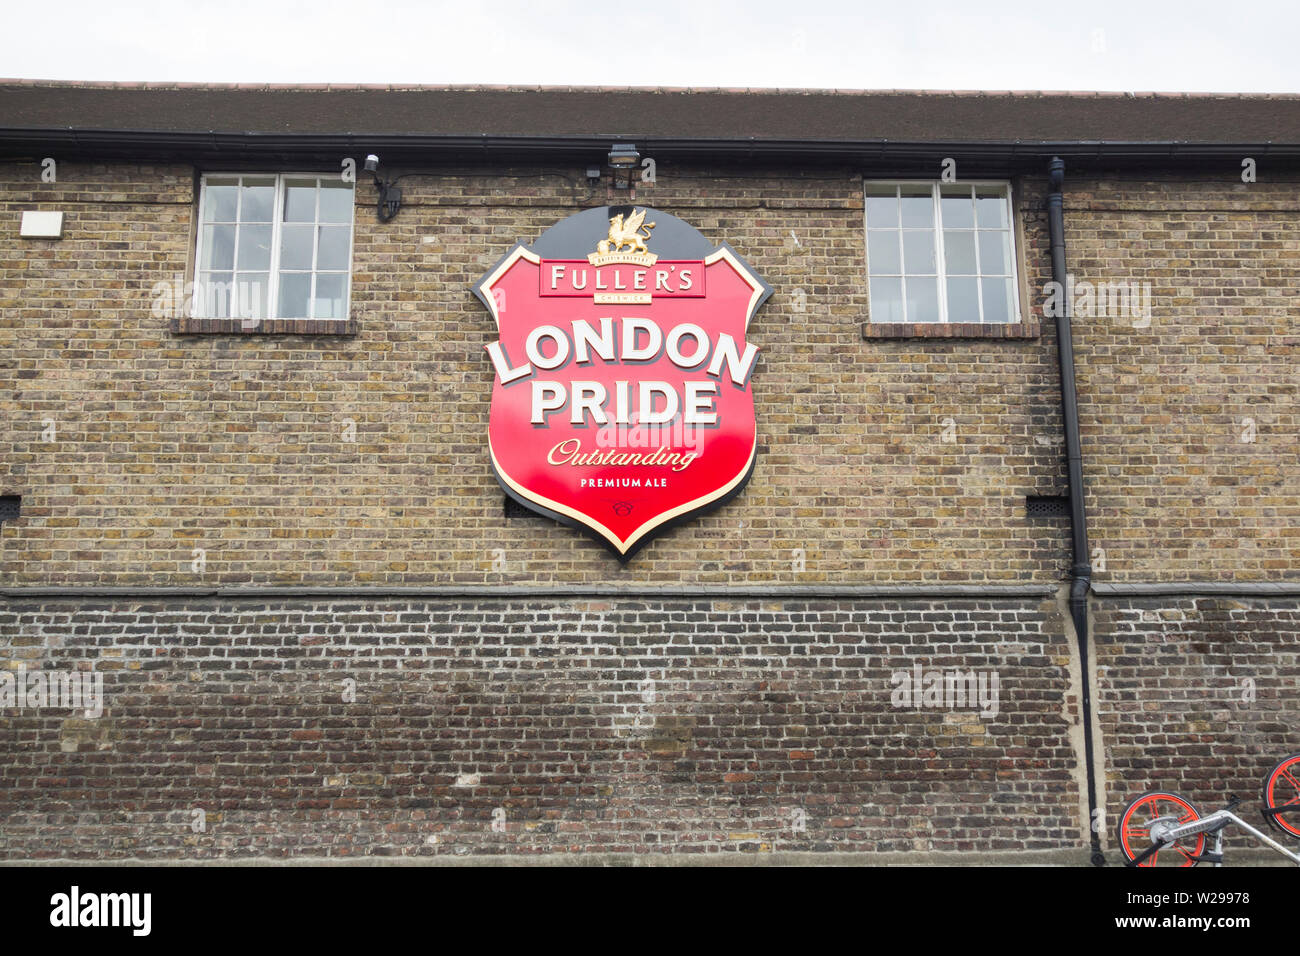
x=963, y=300
x=991, y=208
x=883, y=255
x=217, y=248
x=257, y=199
x=997, y=300
x=922, y=296
x=328, y=302
x=212, y=297
x=332, y=247
x=250, y=298
x=295, y=290
x=882, y=207
x=221, y=200
x=886, y=300
x=335, y=201
x=312, y=246
x=994, y=260
x=917, y=206
x=977, y=256
x=918, y=252
x=956, y=208
x=295, y=247
x=959, y=253
x=300, y=200
x=254, y=247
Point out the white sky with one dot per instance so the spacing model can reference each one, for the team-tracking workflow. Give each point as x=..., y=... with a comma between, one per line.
x=1135, y=45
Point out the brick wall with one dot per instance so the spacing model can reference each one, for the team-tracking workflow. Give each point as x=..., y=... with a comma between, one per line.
x=1196, y=695
x=167, y=443
x=1190, y=420
x=698, y=726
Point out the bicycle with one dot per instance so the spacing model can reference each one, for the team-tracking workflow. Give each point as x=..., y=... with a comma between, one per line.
x=1169, y=821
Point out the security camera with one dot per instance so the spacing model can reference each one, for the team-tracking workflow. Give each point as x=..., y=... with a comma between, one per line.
x=372, y=163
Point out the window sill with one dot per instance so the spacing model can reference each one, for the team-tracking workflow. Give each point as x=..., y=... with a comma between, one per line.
x=949, y=330
x=264, y=327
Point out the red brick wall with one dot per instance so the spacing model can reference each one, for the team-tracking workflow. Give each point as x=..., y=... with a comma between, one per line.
x=591, y=725
x=1196, y=695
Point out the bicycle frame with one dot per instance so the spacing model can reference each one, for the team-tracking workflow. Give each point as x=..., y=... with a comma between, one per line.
x=1166, y=830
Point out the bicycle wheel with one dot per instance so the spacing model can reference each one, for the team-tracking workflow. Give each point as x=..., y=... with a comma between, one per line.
x=1282, y=789
x=1146, y=817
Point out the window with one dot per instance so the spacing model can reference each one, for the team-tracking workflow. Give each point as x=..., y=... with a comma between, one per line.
x=273, y=247
x=941, y=252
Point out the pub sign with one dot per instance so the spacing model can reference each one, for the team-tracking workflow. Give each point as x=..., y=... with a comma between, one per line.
x=622, y=399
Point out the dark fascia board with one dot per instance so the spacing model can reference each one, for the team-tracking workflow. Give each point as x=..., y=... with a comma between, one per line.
x=396, y=149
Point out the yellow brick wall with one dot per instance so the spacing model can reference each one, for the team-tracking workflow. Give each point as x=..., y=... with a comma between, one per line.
x=1189, y=419
x=235, y=444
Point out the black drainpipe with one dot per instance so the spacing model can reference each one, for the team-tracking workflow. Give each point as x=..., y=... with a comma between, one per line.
x=1080, y=569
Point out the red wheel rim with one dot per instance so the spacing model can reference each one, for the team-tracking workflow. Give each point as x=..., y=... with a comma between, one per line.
x=1283, y=790
x=1135, y=830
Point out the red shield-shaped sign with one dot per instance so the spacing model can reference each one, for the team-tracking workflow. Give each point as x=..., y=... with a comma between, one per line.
x=622, y=401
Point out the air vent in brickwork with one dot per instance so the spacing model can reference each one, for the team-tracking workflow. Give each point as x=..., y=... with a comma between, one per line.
x=10, y=505
x=1047, y=506
x=515, y=510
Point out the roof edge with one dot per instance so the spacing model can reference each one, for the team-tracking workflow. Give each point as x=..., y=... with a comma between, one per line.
x=164, y=85
x=485, y=144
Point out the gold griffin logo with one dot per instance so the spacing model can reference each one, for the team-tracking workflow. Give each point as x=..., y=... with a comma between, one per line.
x=630, y=235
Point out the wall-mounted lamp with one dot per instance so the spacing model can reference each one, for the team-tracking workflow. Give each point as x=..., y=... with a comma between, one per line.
x=390, y=196
x=624, y=161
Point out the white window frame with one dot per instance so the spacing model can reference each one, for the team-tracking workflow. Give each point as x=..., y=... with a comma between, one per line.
x=942, y=277
x=273, y=292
